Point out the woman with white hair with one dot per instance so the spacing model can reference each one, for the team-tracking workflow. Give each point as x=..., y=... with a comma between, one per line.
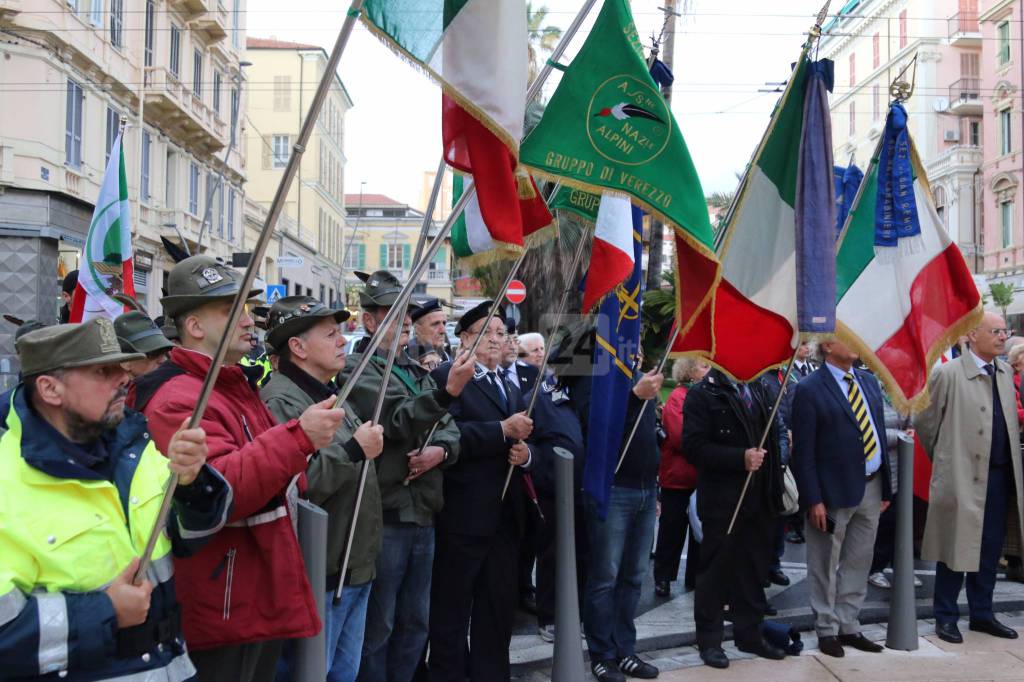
x=677, y=479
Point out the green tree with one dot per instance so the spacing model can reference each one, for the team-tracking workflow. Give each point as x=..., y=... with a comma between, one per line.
x=1002, y=295
x=542, y=37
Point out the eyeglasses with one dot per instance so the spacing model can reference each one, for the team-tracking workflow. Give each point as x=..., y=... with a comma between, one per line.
x=1001, y=332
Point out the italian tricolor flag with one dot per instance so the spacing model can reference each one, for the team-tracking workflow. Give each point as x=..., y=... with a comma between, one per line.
x=901, y=316
x=106, y=266
x=477, y=51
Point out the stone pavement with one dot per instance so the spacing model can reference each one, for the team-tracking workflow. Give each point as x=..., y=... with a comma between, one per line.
x=980, y=657
x=666, y=623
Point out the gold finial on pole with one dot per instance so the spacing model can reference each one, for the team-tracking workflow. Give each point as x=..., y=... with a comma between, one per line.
x=815, y=31
x=901, y=89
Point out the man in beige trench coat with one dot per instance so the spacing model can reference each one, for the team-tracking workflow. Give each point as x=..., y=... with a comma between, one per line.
x=970, y=432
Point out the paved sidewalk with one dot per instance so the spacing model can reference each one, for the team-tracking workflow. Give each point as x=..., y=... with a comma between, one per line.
x=980, y=657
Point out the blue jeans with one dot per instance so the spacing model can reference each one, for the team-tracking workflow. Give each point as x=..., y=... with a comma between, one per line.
x=981, y=583
x=343, y=630
x=399, y=607
x=620, y=548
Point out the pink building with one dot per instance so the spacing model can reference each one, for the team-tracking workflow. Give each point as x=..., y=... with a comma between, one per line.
x=1002, y=66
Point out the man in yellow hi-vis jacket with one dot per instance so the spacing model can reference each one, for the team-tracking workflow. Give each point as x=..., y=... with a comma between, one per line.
x=82, y=485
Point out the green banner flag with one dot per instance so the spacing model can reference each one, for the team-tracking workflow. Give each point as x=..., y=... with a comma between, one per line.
x=608, y=127
x=583, y=204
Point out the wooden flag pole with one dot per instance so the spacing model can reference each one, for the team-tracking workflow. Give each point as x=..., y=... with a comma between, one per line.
x=238, y=305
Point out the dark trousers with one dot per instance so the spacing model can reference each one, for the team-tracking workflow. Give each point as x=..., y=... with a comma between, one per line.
x=672, y=526
x=546, y=552
x=731, y=572
x=885, y=540
x=980, y=584
x=474, y=592
x=779, y=547
x=255, y=662
x=529, y=548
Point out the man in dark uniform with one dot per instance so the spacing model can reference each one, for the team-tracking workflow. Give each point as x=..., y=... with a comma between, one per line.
x=722, y=424
x=478, y=532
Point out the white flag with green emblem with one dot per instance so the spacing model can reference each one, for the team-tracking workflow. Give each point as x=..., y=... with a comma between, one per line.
x=106, y=266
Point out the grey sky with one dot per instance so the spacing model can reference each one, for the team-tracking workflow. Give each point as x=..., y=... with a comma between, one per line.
x=725, y=51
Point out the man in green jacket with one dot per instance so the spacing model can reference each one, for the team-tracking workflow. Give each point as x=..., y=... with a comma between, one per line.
x=409, y=473
x=311, y=352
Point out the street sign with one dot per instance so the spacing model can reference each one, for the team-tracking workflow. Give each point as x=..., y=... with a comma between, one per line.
x=275, y=292
x=290, y=261
x=516, y=292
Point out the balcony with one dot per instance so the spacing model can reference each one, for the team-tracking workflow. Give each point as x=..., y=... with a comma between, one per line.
x=964, y=30
x=212, y=21
x=9, y=7
x=439, y=276
x=183, y=112
x=188, y=7
x=965, y=97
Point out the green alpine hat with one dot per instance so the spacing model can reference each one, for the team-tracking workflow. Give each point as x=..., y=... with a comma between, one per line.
x=198, y=280
x=71, y=345
x=381, y=290
x=139, y=334
x=293, y=315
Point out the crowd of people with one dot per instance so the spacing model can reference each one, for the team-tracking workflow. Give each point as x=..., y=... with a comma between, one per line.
x=455, y=529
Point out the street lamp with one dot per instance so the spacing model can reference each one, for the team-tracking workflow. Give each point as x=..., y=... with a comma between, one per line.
x=236, y=105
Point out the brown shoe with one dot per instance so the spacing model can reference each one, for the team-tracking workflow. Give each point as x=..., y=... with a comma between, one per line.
x=860, y=642
x=830, y=646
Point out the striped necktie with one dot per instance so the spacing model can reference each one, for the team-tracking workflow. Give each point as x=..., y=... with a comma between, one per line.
x=860, y=413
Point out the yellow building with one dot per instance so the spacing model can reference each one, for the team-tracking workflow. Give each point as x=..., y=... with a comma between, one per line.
x=307, y=257
x=382, y=235
x=69, y=71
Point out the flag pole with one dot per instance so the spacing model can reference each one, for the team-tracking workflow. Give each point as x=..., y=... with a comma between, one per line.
x=364, y=466
x=570, y=280
x=764, y=434
x=238, y=305
x=636, y=423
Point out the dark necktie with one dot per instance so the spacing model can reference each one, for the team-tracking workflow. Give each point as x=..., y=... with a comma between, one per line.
x=802, y=369
x=999, y=449
x=860, y=413
x=493, y=378
x=748, y=399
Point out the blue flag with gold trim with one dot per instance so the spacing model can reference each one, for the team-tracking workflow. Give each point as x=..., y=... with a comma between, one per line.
x=615, y=350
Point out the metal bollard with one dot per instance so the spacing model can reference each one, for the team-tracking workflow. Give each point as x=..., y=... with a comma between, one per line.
x=567, y=664
x=311, y=652
x=902, y=631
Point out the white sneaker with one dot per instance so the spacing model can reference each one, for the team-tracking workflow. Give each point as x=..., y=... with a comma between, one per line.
x=547, y=633
x=879, y=580
x=917, y=582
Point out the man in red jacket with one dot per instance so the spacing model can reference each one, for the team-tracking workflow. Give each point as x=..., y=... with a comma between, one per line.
x=246, y=591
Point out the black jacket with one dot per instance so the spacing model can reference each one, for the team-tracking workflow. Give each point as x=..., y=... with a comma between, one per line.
x=472, y=486
x=717, y=431
x=555, y=424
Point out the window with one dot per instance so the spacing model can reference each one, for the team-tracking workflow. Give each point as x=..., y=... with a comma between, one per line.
x=282, y=93
x=216, y=91
x=175, y=64
x=117, y=23
x=193, y=188
x=853, y=117
x=1006, y=222
x=903, y=29
x=197, y=73
x=1003, y=42
x=876, y=101
x=73, y=125
x=281, y=151
x=355, y=257
x=214, y=181
x=939, y=198
x=236, y=31
x=853, y=68
x=876, y=51
x=298, y=289
x=394, y=256
x=1004, y=132
x=171, y=180
x=323, y=293
x=113, y=127
x=974, y=133
x=150, y=15
x=144, y=179
x=231, y=214
x=96, y=13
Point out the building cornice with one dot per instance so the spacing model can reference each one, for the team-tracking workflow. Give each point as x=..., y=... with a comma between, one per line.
x=996, y=11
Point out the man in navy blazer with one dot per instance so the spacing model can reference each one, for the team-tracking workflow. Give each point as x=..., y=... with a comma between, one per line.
x=842, y=472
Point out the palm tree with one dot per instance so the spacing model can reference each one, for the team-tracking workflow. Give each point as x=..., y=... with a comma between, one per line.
x=540, y=36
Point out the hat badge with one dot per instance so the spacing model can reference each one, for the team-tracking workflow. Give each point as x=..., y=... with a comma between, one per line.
x=211, y=275
x=108, y=338
x=373, y=282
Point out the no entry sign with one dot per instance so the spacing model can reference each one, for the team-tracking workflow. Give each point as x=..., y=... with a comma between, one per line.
x=516, y=292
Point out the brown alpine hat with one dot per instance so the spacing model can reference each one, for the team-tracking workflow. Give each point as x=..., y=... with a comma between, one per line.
x=293, y=315
x=199, y=280
x=64, y=346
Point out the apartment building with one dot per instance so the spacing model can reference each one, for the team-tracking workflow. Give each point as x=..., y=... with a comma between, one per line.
x=871, y=42
x=382, y=236
x=283, y=78
x=70, y=70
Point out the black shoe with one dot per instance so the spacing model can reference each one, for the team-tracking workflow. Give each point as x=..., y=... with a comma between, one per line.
x=764, y=650
x=607, y=671
x=714, y=657
x=778, y=577
x=949, y=632
x=634, y=666
x=770, y=610
x=830, y=646
x=795, y=537
x=1015, y=573
x=662, y=588
x=861, y=643
x=993, y=627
